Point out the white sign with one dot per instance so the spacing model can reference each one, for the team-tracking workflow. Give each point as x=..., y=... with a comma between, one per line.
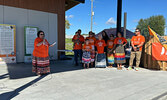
x=7, y=40
x=31, y=34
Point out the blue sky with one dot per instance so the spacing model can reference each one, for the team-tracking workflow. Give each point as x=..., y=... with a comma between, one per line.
x=106, y=14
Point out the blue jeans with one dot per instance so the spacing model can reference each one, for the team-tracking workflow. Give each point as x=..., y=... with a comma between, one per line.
x=76, y=53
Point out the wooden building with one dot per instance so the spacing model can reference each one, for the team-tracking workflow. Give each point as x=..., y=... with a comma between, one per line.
x=147, y=60
x=47, y=15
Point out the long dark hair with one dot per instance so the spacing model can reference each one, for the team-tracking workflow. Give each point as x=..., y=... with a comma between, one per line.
x=106, y=38
x=112, y=35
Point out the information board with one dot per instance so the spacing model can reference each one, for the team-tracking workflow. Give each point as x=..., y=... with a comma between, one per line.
x=7, y=43
x=30, y=34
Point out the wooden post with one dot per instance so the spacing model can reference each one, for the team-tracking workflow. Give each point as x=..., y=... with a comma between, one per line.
x=125, y=21
x=149, y=53
x=145, y=53
x=159, y=65
x=119, y=15
x=164, y=66
x=154, y=62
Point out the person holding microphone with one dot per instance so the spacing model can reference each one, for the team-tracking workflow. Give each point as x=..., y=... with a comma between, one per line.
x=40, y=60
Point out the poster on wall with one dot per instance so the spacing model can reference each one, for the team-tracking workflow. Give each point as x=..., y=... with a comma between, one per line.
x=7, y=43
x=30, y=34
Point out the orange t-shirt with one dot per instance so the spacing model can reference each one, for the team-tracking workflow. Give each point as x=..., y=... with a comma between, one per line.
x=92, y=40
x=100, y=44
x=137, y=40
x=42, y=50
x=121, y=40
x=87, y=47
x=78, y=46
x=82, y=38
x=110, y=44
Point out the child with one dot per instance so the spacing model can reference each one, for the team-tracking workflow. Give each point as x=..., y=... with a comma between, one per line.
x=92, y=41
x=76, y=39
x=86, y=59
x=110, y=49
x=100, y=47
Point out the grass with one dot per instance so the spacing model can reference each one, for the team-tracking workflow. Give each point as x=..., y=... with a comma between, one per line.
x=69, y=46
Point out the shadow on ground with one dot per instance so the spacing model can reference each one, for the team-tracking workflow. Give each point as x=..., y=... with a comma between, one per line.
x=22, y=70
x=15, y=92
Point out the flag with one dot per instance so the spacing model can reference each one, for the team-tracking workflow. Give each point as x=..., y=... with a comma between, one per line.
x=159, y=38
x=159, y=52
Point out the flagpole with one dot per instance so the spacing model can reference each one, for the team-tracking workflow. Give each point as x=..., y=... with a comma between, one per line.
x=165, y=30
x=92, y=15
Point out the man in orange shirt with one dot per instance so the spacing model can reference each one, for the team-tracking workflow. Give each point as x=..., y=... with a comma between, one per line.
x=78, y=40
x=79, y=31
x=137, y=43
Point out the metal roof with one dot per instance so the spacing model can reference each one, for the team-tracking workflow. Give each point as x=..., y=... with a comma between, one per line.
x=113, y=31
x=82, y=1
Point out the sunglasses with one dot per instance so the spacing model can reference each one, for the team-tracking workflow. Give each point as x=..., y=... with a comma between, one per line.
x=41, y=34
x=136, y=31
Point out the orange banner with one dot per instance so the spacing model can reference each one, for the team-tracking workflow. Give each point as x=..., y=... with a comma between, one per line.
x=159, y=52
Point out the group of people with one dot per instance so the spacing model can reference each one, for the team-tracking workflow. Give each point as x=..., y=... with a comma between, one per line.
x=108, y=50
x=104, y=49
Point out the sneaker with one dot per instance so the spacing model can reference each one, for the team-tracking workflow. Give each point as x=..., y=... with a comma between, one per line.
x=137, y=69
x=129, y=68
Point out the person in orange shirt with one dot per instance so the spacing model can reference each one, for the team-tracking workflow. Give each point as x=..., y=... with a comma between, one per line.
x=119, y=43
x=79, y=32
x=78, y=40
x=110, y=49
x=100, y=48
x=86, y=58
x=92, y=41
x=40, y=60
x=137, y=43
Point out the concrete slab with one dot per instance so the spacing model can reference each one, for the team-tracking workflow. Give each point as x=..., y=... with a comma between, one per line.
x=67, y=82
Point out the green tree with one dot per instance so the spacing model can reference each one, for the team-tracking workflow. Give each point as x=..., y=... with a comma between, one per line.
x=157, y=23
x=67, y=24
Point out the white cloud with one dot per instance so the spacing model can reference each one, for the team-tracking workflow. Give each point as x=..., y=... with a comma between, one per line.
x=66, y=17
x=71, y=16
x=136, y=21
x=111, y=21
x=133, y=29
